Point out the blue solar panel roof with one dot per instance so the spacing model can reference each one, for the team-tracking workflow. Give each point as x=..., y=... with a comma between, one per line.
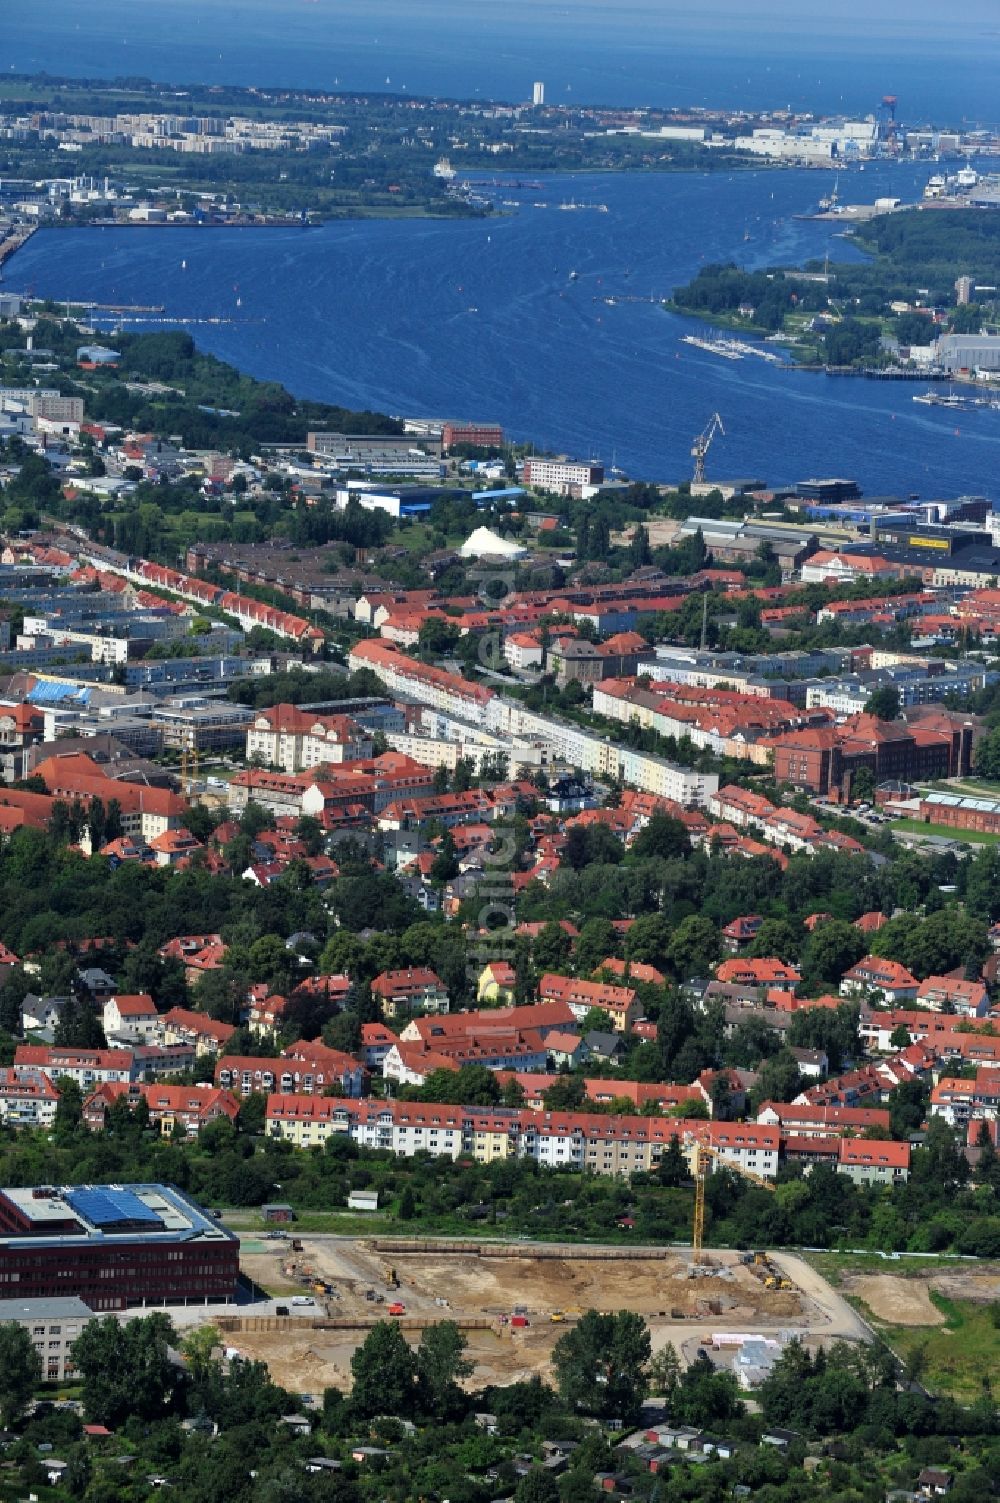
x=106, y=1208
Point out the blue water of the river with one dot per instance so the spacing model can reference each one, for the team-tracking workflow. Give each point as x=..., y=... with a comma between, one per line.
x=483, y=319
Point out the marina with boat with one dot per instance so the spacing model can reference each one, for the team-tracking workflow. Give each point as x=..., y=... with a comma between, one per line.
x=731, y=349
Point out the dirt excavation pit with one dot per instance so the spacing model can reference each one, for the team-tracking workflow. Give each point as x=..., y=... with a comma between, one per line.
x=482, y=1294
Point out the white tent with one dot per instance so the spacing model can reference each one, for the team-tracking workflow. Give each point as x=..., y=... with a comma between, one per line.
x=486, y=544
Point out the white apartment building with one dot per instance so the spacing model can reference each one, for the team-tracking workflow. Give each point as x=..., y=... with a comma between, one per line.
x=296, y=740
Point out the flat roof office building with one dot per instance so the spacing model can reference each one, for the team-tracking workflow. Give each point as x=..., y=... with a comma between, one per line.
x=113, y=1246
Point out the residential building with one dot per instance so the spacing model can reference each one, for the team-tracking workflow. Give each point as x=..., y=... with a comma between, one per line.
x=873, y=974
x=953, y=994
x=296, y=740
x=822, y=1121
x=323, y=1070
x=132, y=1017
x=53, y=1325
x=87, y=1067
x=27, y=1097
x=619, y=1002
x=564, y=477
x=171, y=1107
x=181, y=1025
x=406, y=991
x=874, y=1163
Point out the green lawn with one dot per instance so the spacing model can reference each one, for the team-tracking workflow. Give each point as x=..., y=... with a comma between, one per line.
x=954, y=1358
x=917, y=827
x=336, y=1223
x=950, y=1359
x=832, y=1264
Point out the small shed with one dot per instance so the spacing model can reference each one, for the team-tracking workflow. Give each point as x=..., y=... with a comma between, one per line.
x=277, y=1211
x=362, y=1200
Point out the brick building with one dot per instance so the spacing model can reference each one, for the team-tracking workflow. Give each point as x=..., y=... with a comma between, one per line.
x=826, y=759
x=114, y=1246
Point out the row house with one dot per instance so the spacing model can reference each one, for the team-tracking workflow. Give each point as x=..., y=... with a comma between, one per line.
x=542, y=1018
x=887, y=978
x=601, y=1144
x=416, y=988
x=181, y=1025
x=330, y=1071
x=619, y=1002
x=87, y=1067
x=953, y=994
x=448, y=809
x=171, y=1107
x=822, y=1121
x=246, y=610
x=448, y=692
x=960, y=1101
x=877, y=1026
x=27, y=1097
x=495, y=1048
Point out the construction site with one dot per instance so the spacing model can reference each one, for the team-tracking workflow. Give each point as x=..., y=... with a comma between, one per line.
x=511, y=1300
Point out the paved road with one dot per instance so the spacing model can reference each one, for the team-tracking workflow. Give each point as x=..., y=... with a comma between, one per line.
x=838, y=1320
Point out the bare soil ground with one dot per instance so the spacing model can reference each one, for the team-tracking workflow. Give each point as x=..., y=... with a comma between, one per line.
x=464, y=1287
x=899, y=1302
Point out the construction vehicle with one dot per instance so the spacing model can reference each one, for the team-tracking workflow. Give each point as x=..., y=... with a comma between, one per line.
x=701, y=1155
x=397, y=1308
x=296, y=1245
x=701, y=446
x=389, y=1274
x=556, y=1317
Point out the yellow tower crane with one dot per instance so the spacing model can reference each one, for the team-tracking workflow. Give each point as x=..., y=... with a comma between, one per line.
x=701, y=1156
x=189, y=769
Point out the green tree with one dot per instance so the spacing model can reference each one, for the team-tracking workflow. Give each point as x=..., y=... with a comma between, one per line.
x=883, y=703
x=384, y=1369
x=441, y=1364
x=197, y=1348
x=778, y=1080
x=863, y=785
x=664, y=837
x=126, y=1368
x=665, y=1371
x=20, y=1373
x=695, y=948
x=551, y=949
x=830, y=950
x=777, y=937
x=537, y=1486
x=600, y=1364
